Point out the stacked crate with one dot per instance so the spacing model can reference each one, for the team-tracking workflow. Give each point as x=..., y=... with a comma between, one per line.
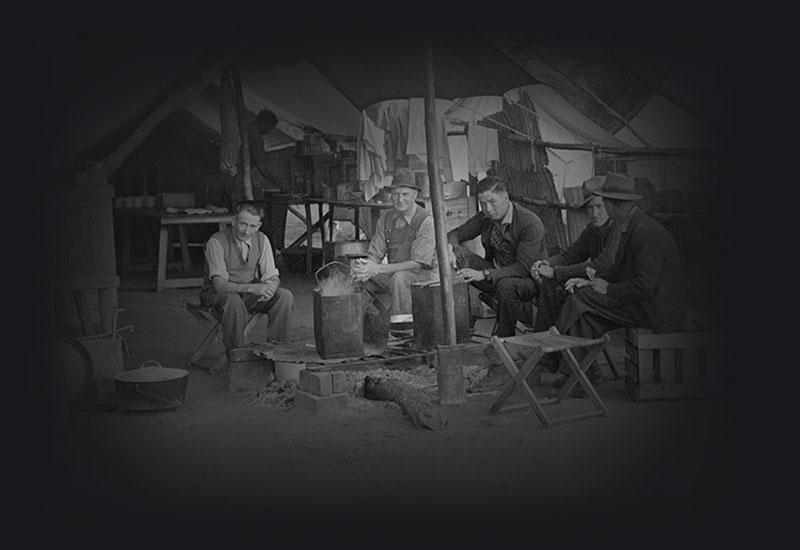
x=677, y=365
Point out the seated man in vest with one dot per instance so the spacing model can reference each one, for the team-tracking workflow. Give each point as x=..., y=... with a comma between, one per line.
x=513, y=238
x=644, y=287
x=242, y=278
x=404, y=235
x=591, y=254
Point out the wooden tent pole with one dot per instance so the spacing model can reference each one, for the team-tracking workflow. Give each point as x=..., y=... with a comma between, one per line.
x=437, y=197
x=103, y=169
x=238, y=95
x=645, y=152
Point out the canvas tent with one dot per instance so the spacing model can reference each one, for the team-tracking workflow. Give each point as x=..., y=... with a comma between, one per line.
x=111, y=88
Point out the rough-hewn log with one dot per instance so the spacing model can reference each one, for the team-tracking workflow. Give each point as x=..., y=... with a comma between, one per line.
x=238, y=95
x=641, y=153
x=414, y=404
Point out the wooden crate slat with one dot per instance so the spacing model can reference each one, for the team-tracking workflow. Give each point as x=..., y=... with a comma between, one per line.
x=680, y=340
x=687, y=390
x=667, y=364
x=690, y=365
x=645, y=366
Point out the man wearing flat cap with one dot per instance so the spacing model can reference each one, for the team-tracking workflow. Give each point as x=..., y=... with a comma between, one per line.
x=644, y=287
x=404, y=235
x=591, y=254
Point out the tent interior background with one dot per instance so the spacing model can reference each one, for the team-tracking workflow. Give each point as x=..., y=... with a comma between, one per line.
x=643, y=92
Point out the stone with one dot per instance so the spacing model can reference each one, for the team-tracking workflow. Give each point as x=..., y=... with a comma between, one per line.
x=249, y=375
x=320, y=405
x=339, y=382
x=317, y=383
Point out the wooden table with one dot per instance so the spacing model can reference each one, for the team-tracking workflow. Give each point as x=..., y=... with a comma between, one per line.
x=375, y=209
x=166, y=221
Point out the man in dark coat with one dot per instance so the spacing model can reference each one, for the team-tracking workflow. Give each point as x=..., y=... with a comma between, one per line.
x=645, y=286
x=513, y=238
x=591, y=254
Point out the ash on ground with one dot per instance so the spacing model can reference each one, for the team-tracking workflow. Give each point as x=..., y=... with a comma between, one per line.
x=276, y=395
x=280, y=396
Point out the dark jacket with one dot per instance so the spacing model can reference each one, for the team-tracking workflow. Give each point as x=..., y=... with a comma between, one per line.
x=595, y=247
x=647, y=270
x=525, y=235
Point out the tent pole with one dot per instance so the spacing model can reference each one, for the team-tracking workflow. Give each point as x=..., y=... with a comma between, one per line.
x=437, y=197
x=238, y=94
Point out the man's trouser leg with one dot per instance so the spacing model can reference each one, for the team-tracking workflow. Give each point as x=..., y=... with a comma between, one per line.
x=511, y=293
x=588, y=314
x=233, y=313
x=279, y=314
x=549, y=301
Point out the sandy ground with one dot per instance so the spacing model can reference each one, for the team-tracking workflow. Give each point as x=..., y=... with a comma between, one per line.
x=229, y=463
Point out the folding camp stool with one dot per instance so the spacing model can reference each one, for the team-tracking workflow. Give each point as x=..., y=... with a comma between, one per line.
x=211, y=319
x=547, y=342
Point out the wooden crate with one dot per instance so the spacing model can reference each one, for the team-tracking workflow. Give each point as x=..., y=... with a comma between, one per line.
x=677, y=365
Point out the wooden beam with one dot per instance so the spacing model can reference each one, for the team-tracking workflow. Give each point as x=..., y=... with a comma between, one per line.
x=437, y=198
x=238, y=98
x=644, y=152
x=208, y=72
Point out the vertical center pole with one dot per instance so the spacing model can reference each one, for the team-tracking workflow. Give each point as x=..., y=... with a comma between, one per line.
x=238, y=94
x=437, y=197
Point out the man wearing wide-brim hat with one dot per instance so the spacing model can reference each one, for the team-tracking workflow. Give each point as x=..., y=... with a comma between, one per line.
x=644, y=287
x=404, y=236
x=591, y=254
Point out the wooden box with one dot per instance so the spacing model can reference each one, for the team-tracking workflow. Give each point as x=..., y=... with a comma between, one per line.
x=107, y=362
x=677, y=365
x=454, y=189
x=426, y=306
x=456, y=211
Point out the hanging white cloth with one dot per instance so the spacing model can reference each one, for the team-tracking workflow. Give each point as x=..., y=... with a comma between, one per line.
x=483, y=148
x=416, y=134
x=371, y=154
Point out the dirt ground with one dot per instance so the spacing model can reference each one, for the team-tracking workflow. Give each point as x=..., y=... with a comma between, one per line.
x=234, y=463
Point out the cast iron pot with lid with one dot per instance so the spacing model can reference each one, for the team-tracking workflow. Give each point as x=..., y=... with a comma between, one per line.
x=151, y=387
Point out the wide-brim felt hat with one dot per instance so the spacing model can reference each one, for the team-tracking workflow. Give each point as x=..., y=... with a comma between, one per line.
x=404, y=178
x=620, y=187
x=588, y=188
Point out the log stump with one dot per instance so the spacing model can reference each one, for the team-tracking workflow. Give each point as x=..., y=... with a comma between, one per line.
x=414, y=404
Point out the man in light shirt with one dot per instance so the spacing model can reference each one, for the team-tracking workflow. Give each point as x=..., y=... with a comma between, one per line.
x=404, y=236
x=242, y=278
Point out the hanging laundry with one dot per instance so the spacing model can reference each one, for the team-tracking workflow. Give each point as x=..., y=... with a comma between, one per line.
x=467, y=110
x=371, y=154
x=483, y=148
x=392, y=117
x=416, y=134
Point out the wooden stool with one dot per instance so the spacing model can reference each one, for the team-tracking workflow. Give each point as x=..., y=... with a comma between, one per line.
x=211, y=320
x=547, y=342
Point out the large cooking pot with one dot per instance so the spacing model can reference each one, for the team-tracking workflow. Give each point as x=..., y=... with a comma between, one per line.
x=151, y=387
